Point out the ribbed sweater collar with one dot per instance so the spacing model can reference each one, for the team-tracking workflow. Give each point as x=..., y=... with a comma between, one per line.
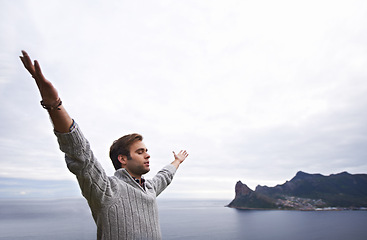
x=124, y=175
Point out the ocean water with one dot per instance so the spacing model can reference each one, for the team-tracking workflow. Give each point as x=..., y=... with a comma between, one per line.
x=181, y=219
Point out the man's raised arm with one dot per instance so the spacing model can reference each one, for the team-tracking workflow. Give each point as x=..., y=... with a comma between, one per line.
x=50, y=97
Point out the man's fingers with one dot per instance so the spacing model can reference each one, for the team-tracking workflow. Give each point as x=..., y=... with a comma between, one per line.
x=34, y=69
x=24, y=62
x=26, y=59
x=182, y=153
x=27, y=62
x=38, y=69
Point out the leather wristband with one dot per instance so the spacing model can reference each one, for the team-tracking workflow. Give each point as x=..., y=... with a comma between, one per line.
x=56, y=105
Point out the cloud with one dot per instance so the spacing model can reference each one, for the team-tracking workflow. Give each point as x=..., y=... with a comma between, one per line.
x=255, y=91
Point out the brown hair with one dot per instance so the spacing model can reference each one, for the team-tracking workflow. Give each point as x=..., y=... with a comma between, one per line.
x=121, y=146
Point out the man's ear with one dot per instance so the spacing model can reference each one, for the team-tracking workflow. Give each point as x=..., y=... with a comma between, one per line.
x=122, y=159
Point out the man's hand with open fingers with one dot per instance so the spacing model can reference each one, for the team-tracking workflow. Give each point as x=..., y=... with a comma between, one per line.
x=179, y=158
x=50, y=97
x=48, y=92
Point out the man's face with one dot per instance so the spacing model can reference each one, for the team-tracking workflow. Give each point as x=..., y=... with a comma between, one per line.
x=139, y=162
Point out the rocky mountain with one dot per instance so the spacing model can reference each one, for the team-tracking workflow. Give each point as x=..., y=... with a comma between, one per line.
x=247, y=198
x=306, y=192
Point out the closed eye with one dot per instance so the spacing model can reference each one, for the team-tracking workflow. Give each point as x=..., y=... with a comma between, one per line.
x=141, y=150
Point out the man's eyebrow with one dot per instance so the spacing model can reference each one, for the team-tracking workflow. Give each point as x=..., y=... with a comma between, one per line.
x=141, y=149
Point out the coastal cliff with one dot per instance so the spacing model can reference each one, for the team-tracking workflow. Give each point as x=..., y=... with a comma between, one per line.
x=306, y=192
x=247, y=198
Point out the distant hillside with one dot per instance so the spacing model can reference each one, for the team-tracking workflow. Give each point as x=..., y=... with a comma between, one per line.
x=246, y=198
x=306, y=192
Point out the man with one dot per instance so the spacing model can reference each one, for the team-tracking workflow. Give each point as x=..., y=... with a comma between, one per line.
x=124, y=205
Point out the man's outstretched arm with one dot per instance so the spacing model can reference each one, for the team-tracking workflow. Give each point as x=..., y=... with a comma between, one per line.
x=165, y=176
x=50, y=97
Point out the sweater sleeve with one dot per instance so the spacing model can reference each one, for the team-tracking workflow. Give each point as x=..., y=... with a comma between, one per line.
x=163, y=178
x=93, y=181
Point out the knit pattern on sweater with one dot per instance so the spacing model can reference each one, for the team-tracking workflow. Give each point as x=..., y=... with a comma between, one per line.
x=121, y=208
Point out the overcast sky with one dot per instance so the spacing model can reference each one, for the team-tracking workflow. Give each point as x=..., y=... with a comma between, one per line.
x=253, y=90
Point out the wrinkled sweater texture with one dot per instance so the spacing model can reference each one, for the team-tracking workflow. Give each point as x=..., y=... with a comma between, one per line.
x=121, y=208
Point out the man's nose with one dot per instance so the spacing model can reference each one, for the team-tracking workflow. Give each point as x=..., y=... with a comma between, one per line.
x=147, y=156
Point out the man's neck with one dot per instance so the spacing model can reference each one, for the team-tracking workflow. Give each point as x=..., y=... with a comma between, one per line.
x=139, y=180
x=134, y=175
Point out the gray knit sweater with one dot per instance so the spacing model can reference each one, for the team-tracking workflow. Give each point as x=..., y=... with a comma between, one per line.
x=121, y=208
